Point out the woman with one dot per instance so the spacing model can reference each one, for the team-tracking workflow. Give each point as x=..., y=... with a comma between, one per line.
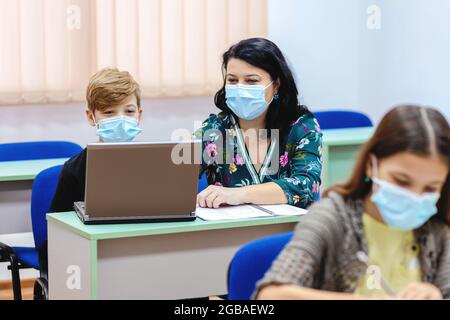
x=263, y=148
x=385, y=232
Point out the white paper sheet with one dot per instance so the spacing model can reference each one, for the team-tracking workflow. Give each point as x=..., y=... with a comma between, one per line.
x=230, y=213
x=284, y=210
x=247, y=211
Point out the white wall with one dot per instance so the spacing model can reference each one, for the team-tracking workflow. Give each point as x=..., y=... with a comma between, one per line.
x=412, y=54
x=340, y=63
x=320, y=41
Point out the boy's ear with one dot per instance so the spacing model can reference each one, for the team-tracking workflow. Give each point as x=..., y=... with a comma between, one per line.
x=90, y=117
x=139, y=115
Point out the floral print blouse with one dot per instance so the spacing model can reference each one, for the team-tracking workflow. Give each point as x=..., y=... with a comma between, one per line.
x=297, y=170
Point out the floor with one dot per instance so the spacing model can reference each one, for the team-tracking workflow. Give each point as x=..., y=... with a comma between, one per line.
x=7, y=294
x=27, y=291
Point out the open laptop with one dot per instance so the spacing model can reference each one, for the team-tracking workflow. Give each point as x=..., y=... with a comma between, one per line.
x=140, y=182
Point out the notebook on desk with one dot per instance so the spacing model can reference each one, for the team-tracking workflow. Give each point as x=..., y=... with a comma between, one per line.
x=139, y=182
x=248, y=211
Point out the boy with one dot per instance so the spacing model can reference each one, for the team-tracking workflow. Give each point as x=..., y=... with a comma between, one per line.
x=114, y=107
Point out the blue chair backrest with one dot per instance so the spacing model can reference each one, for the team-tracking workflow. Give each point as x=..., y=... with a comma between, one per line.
x=202, y=183
x=44, y=188
x=250, y=264
x=340, y=119
x=38, y=150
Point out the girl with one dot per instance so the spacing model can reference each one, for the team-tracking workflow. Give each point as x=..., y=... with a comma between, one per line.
x=385, y=232
x=263, y=148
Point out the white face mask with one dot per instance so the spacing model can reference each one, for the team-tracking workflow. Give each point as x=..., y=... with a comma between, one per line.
x=118, y=129
x=399, y=207
x=247, y=102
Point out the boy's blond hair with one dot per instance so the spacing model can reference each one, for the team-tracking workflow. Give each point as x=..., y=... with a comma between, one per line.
x=109, y=87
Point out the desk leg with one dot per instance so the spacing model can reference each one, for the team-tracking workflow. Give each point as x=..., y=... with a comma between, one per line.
x=72, y=264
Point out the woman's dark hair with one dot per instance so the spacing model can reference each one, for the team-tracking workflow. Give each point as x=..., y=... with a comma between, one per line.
x=265, y=54
x=407, y=128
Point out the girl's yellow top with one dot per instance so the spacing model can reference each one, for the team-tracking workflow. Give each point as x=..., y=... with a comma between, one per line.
x=393, y=253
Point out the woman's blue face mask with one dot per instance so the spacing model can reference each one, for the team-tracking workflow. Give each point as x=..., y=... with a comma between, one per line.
x=247, y=102
x=399, y=207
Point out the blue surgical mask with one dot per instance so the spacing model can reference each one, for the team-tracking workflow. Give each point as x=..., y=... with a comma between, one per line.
x=400, y=208
x=118, y=129
x=247, y=102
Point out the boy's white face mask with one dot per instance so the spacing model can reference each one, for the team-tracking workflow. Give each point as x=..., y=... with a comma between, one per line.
x=118, y=129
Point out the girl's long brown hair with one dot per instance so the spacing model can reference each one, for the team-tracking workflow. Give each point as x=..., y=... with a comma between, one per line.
x=402, y=129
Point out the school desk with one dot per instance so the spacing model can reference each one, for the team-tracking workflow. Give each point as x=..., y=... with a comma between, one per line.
x=339, y=153
x=16, y=180
x=25, y=169
x=174, y=260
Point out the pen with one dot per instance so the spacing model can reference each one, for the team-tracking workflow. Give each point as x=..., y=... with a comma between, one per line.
x=362, y=256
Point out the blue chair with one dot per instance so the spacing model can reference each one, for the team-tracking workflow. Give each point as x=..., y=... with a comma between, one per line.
x=44, y=187
x=250, y=264
x=340, y=119
x=202, y=183
x=38, y=150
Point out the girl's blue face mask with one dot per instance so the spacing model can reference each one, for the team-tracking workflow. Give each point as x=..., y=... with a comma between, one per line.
x=401, y=208
x=247, y=102
x=118, y=129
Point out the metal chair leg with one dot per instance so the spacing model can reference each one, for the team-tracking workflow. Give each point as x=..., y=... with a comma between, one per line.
x=15, y=275
x=8, y=254
x=40, y=291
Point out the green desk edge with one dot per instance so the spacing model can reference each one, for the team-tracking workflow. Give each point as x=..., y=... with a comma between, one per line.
x=338, y=137
x=70, y=220
x=26, y=169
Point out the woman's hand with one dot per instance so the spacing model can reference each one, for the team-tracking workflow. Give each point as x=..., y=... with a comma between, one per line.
x=420, y=291
x=215, y=196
